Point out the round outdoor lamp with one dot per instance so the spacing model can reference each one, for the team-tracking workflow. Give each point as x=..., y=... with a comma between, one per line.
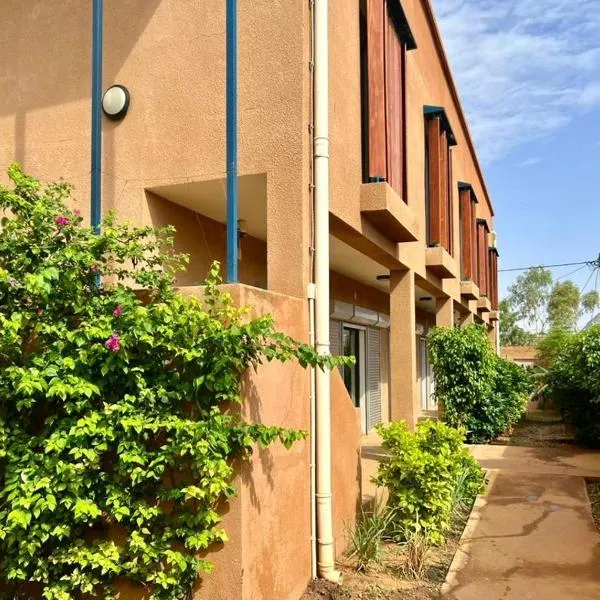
x=115, y=102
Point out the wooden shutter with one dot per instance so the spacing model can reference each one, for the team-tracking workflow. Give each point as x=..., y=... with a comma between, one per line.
x=376, y=138
x=443, y=195
x=394, y=106
x=450, y=203
x=483, y=258
x=466, y=234
x=474, y=244
x=434, y=179
x=373, y=378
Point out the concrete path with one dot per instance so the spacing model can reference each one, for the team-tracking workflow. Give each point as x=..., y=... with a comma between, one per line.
x=532, y=536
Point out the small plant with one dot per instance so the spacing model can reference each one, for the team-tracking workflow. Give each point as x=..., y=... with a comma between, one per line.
x=366, y=538
x=421, y=475
x=416, y=549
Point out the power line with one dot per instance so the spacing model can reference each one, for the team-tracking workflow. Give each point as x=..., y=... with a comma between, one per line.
x=591, y=263
x=587, y=262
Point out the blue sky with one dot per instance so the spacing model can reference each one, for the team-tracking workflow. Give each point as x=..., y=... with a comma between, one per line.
x=528, y=72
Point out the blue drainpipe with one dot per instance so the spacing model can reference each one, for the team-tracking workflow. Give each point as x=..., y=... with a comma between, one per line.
x=96, y=199
x=232, y=150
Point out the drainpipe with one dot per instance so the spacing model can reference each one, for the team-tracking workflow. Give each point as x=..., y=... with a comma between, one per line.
x=313, y=444
x=325, y=542
x=96, y=175
x=232, y=143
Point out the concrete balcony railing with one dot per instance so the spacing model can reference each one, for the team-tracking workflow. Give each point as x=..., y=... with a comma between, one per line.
x=440, y=263
x=383, y=207
x=469, y=290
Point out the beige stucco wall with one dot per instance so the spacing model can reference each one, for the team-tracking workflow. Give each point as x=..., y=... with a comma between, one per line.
x=268, y=523
x=171, y=56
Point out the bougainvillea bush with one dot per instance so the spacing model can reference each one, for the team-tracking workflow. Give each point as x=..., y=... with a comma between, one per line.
x=115, y=442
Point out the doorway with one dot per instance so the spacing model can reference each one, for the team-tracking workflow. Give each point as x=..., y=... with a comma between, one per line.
x=426, y=382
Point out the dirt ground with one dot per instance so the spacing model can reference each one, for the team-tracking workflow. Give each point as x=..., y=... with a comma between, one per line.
x=387, y=581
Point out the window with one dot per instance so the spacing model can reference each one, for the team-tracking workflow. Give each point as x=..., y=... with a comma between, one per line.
x=439, y=186
x=385, y=38
x=468, y=232
x=351, y=342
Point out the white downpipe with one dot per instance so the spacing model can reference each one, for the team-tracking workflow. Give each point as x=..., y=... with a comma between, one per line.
x=325, y=540
x=313, y=443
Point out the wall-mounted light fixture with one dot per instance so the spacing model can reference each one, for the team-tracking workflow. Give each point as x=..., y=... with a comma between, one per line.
x=382, y=277
x=115, y=102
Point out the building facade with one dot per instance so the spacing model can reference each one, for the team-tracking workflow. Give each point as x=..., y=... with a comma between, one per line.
x=412, y=238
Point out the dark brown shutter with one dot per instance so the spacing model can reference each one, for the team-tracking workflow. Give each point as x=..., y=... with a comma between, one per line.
x=443, y=195
x=466, y=234
x=394, y=105
x=376, y=23
x=450, y=199
x=435, y=181
x=475, y=244
x=483, y=258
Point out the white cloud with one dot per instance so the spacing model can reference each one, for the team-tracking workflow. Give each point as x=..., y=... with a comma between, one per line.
x=529, y=162
x=524, y=68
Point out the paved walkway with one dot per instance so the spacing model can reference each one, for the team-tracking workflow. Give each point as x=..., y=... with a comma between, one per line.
x=532, y=536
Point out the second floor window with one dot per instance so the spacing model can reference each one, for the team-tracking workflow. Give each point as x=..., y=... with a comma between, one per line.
x=439, y=186
x=385, y=38
x=468, y=232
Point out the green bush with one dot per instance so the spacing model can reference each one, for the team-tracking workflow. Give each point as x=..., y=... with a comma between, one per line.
x=422, y=474
x=475, y=388
x=574, y=384
x=118, y=417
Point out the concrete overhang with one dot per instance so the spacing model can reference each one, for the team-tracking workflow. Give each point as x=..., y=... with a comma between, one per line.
x=468, y=290
x=494, y=315
x=440, y=263
x=484, y=305
x=383, y=207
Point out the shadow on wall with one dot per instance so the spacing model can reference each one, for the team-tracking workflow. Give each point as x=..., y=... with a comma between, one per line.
x=205, y=240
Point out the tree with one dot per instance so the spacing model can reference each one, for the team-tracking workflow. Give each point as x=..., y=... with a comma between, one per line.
x=529, y=295
x=511, y=334
x=564, y=306
x=590, y=301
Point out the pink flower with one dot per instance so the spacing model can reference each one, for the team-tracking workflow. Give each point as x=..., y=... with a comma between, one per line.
x=113, y=343
x=118, y=311
x=61, y=221
x=94, y=267
x=77, y=212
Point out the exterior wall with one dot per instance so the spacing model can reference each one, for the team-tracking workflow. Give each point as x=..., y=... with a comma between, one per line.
x=268, y=554
x=171, y=56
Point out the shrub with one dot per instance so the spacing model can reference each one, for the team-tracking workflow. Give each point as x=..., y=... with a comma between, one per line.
x=574, y=384
x=118, y=423
x=421, y=475
x=475, y=388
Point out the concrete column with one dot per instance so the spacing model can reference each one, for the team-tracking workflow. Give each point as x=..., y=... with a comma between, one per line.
x=467, y=319
x=404, y=397
x=493, y=335
x=444, y=312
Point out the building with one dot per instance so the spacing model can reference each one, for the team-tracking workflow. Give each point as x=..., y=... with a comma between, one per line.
x=411, y=222
x=526, y=356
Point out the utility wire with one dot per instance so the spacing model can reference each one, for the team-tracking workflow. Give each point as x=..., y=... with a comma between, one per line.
x=571, y=273
x=595, y=263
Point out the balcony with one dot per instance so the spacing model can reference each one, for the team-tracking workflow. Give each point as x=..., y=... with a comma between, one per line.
x=494, y=315
x=469, y=291
x=484, y=305
x=384, y=208
x=440, y=263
